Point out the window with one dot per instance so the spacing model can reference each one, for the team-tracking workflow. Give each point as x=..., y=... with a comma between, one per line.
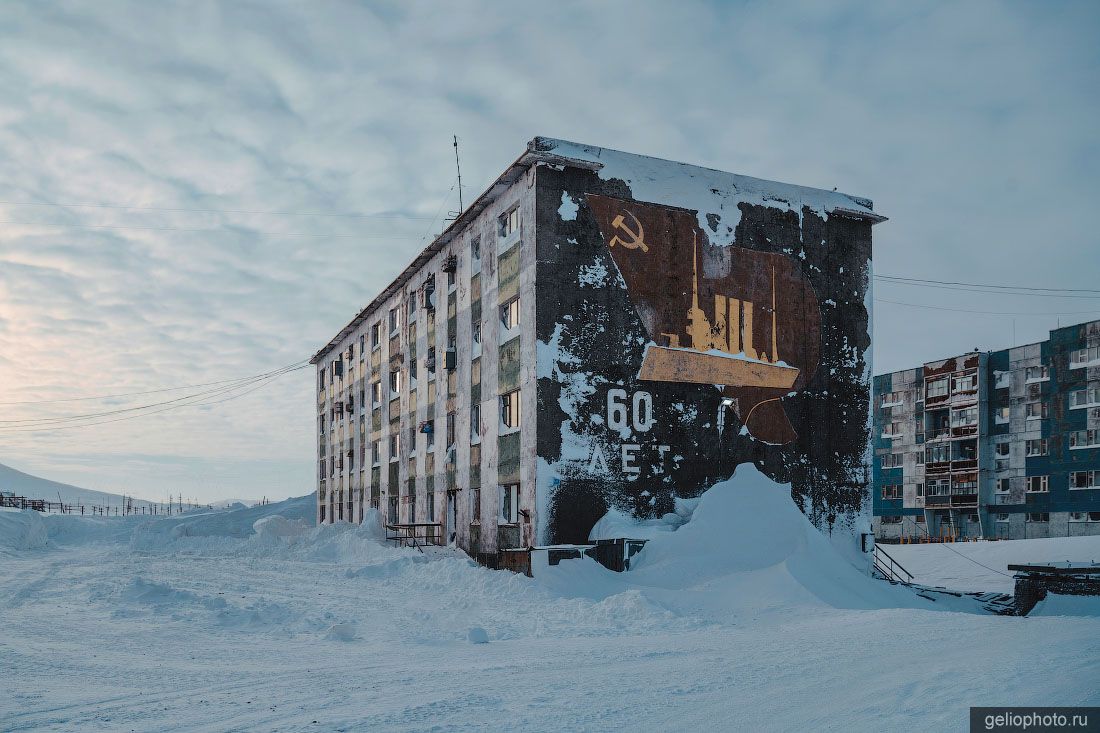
x=891, y=491
x=1084, y=479
x=321, y=381
x=1084, y=398
x=1002, y=449
x=937, y=453
x=920, y=490
x=1002, y=414
x=1084, y=357
x=509, y=409
x=412, y=439
x=395, y=447
x=475, y=423
x=962, y=418
x=475, y=333
x=1037, y=484
x=891, y=519
x=475, y=498
x=1038, y=517
x=475, y=248
x=1003, y=485
x=1037, y=447
x=509, y=504
x=395, y=320
x=892, y=398
x=509, y=314
x=891, y=460
x=376, y=393
x=1034, y=391
x=1036, y=410
x=431, y=506
x=375, y=335
x=1002, y=517
x=429, y=430
x=375, y=453
x=939, y=487
x=1084, y=438
x=508, y=223
x=362, y=346
x=936, y=388
x=450, y=429
x=892, y=430
x=412, y=308
x=918, y=458
x=964, y=384
x=1037, y=373
x=1078, y=517
x=395, y=383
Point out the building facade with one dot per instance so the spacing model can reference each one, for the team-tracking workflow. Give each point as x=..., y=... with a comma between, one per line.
x=1001, y=444
x=601, y=330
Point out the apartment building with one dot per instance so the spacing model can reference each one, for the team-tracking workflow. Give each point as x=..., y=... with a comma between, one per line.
x=601, y=330
x=1001, y=444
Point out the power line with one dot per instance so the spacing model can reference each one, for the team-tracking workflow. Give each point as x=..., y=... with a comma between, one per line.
x=167, y=408
x=134, y=394
x=92, y=415
x=351, y=215
x=988, y=313
x=964, y=557
x=990, y=288
x=208, y=231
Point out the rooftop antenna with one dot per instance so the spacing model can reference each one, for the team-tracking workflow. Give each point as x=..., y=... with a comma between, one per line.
x=458, y=168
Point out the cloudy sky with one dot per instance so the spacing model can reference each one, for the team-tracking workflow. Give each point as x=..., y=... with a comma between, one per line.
x=199, y=192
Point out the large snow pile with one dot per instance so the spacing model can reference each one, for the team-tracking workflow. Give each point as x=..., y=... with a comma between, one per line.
x=22, y=530
x=743, y=547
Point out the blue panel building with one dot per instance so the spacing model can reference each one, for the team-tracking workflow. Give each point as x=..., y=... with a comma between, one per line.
x=1002, y=444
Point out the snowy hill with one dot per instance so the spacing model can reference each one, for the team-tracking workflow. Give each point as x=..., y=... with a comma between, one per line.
x=33, y=487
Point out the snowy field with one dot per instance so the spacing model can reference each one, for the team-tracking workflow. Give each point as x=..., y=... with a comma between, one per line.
x=959, y=565
x=233, y=621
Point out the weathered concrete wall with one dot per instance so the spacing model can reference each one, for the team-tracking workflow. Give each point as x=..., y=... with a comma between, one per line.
x=610, y=436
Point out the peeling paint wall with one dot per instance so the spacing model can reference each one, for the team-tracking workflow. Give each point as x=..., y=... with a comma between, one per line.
x=610, y=439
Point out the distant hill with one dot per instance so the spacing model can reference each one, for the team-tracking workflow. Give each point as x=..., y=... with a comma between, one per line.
x=24, y=484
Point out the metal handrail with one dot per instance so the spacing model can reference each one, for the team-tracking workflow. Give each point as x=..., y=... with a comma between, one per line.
x=891, y=572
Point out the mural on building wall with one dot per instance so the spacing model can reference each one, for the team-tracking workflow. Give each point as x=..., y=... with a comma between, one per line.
x=744, y=321
x=690, y=326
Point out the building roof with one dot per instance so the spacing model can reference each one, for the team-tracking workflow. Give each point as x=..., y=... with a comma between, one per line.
x=650, y=179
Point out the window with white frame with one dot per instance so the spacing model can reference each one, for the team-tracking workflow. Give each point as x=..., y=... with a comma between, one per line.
x=1002, y=517
x=891, y=519
x=475, y=333
x=1083, y=357
x=918, y=458
x=1003, y=485
x=375, y=335
x=936, y=388
x=475, y=422
x=1038, y=484
x=1084, y=479
x=509, y=313
x=939, y=487
x=395, y=447
x=375, y=453
x=1002, y=449
x=395, y=383
x=376, y=393
x=475, y=248
x=395, y=320
x=963, y=418
x=1084, y=438
x=1003, y=414
x=509, y=410
x=1037, y=447
x=509, y=504
x=964, y=384
x=508, y=223
x=891, y=491
x=892, y=398
x=937, y=453
x=1036, y=410
x=920, y=491
x=1082, y=398
x=1038, y=517
x=891, y=460
x=1078, y=517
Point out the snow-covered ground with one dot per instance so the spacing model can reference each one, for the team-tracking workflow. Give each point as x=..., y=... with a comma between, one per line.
x=983, y=566
x=254, y=620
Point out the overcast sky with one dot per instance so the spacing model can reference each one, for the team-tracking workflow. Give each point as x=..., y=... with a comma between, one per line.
x=971, y=125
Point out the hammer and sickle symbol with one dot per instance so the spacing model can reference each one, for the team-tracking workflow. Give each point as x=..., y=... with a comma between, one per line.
x=636, y=238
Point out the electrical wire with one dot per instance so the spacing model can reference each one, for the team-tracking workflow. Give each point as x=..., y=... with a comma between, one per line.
x=167, y=408
x=205, y=393
x=988, y=313
x=964, y=557
x=985, y=285
x=989, y=292
x=134, y=394
x=350, y=215
x=208, y=231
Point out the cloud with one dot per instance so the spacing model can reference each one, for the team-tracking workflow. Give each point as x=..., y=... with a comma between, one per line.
x=970, y=125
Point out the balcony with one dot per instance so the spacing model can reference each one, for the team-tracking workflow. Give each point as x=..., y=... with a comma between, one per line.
x=964, y=464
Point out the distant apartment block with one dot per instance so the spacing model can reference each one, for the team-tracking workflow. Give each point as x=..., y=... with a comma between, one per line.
x=1002, y=444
